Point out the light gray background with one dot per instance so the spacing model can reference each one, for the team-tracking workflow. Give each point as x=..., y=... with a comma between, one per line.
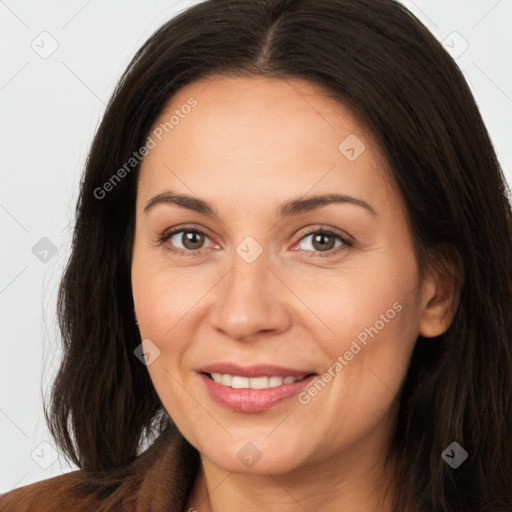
x=50, y=109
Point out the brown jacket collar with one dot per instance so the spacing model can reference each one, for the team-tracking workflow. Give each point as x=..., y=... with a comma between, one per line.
x=160, y=479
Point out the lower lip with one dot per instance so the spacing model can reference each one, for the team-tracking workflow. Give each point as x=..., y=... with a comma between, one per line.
x=252, y=400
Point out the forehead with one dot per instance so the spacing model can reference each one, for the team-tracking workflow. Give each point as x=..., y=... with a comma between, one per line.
x=258, y=136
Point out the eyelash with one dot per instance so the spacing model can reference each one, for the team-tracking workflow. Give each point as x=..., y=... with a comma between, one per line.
x=199, y=252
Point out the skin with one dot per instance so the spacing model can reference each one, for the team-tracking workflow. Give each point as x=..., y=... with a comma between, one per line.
x=248, y=146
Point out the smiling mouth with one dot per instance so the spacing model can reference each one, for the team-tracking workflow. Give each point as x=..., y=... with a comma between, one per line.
x=261, y=382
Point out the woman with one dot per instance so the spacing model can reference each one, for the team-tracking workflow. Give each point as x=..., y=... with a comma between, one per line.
x=291, y=264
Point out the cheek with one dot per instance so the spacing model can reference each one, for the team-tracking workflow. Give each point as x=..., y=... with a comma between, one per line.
x=370, y=325
x=346, y=305
x=163, y=295
x=168, y=304
x=164, y=301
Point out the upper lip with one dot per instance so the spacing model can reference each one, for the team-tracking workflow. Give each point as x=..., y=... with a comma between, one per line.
x=258, y=370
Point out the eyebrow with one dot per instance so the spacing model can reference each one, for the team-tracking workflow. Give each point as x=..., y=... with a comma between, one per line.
x=287, y=209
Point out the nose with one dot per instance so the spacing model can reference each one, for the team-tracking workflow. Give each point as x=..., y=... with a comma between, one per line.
x=250, y=301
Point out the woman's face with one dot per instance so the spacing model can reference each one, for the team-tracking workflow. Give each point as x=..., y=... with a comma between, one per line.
x=260, y=280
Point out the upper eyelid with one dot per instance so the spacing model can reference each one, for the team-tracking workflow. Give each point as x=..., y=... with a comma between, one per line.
x=326, y=229
x=174, y=231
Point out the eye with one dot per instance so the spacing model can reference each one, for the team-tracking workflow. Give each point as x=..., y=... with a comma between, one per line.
x=185, y=241
x=323, y=241
x=190, y=241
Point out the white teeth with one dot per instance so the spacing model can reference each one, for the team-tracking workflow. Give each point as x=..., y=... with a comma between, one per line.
x=238, y=382
x=259, y=382
x=275, y=381
x=226, y=379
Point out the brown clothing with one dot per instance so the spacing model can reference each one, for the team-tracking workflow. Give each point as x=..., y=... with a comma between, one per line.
x=158, y=480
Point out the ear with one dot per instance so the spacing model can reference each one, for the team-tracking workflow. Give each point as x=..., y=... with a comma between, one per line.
x=441, y=291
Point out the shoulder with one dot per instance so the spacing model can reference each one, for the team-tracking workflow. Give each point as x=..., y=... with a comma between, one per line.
x=62, y=492
x=158, y=479
x=79, y=491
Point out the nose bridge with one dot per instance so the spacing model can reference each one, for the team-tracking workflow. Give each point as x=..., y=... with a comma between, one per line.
x=248, y=298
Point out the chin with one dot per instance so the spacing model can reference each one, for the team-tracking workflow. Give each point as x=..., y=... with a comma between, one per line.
x=255, y=457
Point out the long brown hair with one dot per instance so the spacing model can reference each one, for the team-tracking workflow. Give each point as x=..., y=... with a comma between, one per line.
x=376, y=58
